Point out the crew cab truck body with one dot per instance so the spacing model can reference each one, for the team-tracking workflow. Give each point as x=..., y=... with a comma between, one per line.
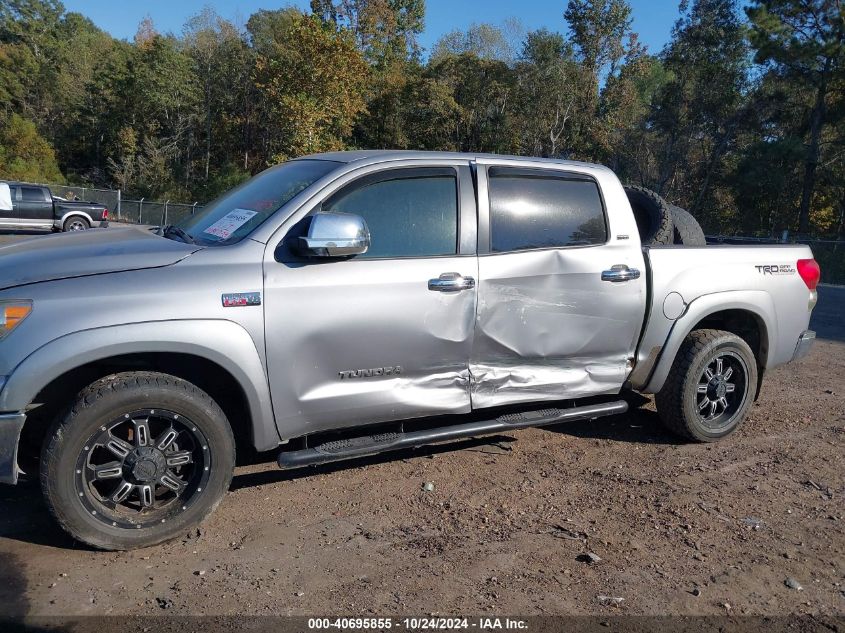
x=34, y=207
x=352, y=303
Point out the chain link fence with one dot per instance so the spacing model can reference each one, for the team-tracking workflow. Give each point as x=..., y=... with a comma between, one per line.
x=122, y=209
x=108, y=197
x=830, y=254
x=153, y=212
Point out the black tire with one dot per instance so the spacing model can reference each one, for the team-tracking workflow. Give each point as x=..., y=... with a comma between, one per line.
x=681, y=403
x=686, y=229
x=107, y=419
x=76, y=223
x=653, y=216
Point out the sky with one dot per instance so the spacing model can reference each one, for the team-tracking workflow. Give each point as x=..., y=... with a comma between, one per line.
x=653, y=19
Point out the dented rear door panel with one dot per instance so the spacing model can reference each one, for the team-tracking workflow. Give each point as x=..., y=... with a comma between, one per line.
x=548, y=327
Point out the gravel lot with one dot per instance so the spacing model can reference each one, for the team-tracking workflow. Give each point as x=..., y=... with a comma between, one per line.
x=679, y=528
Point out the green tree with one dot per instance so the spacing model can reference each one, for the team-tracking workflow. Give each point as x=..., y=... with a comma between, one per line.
x=25, y=154
x=312, y=77
x=385, y=31
x=804, y=41
x=483, y=90
x=552, y=87
x=605, y=45
x=601, y=31
x=485, y=41
x=697, y=112
x=222, y=64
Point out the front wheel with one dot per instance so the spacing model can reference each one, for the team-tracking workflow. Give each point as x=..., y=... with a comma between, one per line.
x=140, y=458
x=710, y=387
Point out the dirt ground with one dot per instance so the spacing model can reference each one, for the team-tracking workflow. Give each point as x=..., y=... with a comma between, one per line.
x=679, y=528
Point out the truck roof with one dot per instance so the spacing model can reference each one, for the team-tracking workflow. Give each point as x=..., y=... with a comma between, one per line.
x=378, y=155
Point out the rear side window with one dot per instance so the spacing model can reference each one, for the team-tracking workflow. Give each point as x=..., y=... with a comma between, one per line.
x=413, y=214
x=532, y=209
x=32, y=194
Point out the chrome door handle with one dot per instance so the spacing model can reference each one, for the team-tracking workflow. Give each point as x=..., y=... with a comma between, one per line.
x=620, y=272
x=451, y=282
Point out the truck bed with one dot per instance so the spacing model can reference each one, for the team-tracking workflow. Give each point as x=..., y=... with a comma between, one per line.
x=685, y=282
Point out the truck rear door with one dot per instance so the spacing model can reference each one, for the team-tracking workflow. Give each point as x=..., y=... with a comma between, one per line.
x=562, y=289
x=34, y=205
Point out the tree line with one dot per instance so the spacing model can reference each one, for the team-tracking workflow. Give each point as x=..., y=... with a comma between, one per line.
x=738, y=119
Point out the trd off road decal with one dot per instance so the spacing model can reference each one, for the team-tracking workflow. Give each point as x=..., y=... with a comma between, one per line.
x=776, y=269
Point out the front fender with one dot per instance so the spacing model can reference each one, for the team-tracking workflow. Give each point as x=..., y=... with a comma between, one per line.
x=222, y=342
x=757, y=302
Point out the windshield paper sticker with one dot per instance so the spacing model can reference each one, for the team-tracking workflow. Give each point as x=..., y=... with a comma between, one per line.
x=229, y=223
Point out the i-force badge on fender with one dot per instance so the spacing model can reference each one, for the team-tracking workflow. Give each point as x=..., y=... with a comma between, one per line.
x=239, y=299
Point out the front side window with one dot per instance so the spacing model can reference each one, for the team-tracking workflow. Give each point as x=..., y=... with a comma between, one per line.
x=240, y=211
x=411, y=215
x=531, y=209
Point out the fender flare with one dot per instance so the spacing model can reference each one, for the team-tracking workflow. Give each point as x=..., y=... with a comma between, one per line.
x=60, y=222
x=224, y=343
x=757, y=302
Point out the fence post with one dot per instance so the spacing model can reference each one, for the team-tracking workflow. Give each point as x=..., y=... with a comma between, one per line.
x=166, y=202
x=141, y=211
x=118, y=206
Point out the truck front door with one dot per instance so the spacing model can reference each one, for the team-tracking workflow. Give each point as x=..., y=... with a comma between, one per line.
x=385, y=335
x=561, y=290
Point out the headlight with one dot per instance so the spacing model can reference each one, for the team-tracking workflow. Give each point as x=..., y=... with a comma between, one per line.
x=11, y=315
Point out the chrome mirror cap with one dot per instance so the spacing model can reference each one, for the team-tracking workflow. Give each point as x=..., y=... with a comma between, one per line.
x=335, y=235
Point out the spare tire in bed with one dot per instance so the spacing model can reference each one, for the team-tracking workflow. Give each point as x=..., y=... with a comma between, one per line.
x=687, y=230
x=653, y=216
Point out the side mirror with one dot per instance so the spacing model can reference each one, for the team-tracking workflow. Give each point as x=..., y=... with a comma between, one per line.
x=335, y=235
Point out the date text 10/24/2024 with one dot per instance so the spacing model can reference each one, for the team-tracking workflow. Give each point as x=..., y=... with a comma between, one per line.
x=418, y=624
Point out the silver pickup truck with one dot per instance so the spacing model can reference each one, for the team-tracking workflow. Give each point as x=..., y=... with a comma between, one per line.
x=348, y=304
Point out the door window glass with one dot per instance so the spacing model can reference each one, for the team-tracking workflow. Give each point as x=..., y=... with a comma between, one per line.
x=531, y=209
x=32, y=194
x=407, y=216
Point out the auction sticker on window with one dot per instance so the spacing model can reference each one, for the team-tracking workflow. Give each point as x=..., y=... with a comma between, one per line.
x=229, y=223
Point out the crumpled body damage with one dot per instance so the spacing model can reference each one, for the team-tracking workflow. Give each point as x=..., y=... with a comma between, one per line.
x=548, y=328
x=570, y=378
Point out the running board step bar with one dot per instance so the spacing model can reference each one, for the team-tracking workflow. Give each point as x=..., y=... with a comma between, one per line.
x=365, y=445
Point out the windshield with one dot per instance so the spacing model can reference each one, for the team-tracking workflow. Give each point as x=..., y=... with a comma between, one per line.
x=238, y=212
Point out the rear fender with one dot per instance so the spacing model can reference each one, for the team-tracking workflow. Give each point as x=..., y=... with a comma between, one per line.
x=757, y=302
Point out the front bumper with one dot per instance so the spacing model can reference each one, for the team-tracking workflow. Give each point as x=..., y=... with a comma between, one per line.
x=805, y=344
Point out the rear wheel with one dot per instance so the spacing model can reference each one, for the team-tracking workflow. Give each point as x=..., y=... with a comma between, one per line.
x=710, y=386
x=141, y=457
x=76, y=223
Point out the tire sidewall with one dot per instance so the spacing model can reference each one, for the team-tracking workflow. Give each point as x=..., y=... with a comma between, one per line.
x=648, y=207
x=75, y=218
x=740, y=348
x=69, y=435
